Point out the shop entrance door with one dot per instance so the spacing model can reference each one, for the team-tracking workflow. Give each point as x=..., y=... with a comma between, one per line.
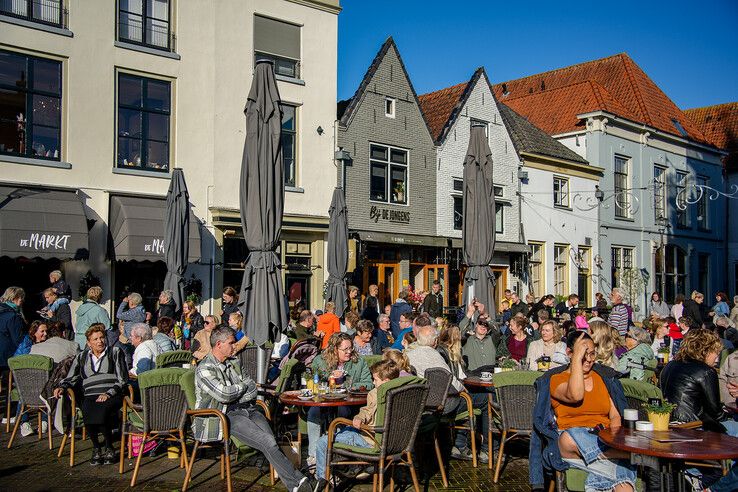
x=500, y=274
x=387, y=277
x=440, y=273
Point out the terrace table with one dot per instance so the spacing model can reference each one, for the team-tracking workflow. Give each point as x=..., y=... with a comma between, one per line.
x=703, y=445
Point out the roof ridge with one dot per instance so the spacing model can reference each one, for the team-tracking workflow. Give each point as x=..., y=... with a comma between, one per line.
x=540, y=74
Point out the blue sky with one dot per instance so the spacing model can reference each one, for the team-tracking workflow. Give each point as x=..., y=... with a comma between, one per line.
x=690, y=49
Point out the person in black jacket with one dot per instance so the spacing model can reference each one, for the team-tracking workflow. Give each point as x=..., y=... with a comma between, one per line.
x=691, y=382
x=12, y=325
x=167, y=307
x=517, y=306
x=693, y=308
x=230, y=303
x=433, y=302
x=63, y=313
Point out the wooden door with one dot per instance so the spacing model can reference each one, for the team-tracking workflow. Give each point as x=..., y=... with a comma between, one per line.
x=386, y=276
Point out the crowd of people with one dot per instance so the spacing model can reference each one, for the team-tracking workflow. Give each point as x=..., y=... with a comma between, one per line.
x=582, y=351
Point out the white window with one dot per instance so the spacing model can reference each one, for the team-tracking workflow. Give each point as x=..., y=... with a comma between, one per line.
x=659, y=192
x=388, y=178
x=537, y=268
x=561, y=269
x=561, y=191
x=389, y=107
x=622, y=192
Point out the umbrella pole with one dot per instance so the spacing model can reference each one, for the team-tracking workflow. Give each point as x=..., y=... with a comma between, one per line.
x=260, y=365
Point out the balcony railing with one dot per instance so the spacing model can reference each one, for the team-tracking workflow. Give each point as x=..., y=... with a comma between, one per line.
x=153, y=36
x=49, y=12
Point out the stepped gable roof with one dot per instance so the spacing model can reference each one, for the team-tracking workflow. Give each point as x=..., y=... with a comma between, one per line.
x=616, y=84
x=346, y=108
x=440, y=108
x=526, y=137
x=719, y=123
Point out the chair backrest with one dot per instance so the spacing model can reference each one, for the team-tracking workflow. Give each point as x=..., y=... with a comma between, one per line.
x=439, y=380
x=31, y=373
x=163, y=401
x=175, y=358
x=371, y=359
x=637, y=393
x=650, y=370
x=187, y=383
x=400, y=413
x=289, y=377
x=516, y=395
x=248, y=358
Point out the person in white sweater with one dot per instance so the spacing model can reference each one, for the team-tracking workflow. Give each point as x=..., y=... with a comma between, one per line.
x=144, y=357
x=549, y=345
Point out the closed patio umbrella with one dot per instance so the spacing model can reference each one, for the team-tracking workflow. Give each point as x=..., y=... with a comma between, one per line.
x=479, y=221
x=337, y=252
x=262, y=201
x=177, y=236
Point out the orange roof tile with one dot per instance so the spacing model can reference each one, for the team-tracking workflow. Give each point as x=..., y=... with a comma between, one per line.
x=617, y=85
x=719, y=123
x=437, y=107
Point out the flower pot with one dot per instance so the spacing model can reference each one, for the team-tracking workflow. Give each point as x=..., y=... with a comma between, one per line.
x=506, y=369
x=660, y=421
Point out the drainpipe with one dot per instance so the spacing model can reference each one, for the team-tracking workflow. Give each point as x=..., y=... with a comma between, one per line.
x=209, y=226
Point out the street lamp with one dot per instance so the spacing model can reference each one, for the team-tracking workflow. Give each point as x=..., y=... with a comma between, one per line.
x=663, y=225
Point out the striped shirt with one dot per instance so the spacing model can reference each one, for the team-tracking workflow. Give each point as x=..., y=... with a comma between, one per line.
x=107, y=374
x=218, y=385
x=618, y=318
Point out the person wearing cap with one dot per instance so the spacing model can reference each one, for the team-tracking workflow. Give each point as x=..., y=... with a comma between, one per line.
x=639, y=353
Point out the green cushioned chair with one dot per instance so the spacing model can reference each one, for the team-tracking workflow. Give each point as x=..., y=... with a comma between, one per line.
x=161, y=415
x=637, y=393
x=516, y=396
x=371, y=359
x=187, y=384
x=400, y=404
x=175, y=358
x=30, y=373
x=649, y=372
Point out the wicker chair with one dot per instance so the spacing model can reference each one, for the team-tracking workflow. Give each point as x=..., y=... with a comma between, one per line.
x=70, y=429
x=187, y=383
x=31, y=373
x=400, y=404
x=516, y=395
x=161, y=415
x=248, y=358
x=466, y=420
x=175, y=358
x=439, y=380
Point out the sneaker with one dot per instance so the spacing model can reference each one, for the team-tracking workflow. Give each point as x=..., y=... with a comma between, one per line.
x=320, y=485
x=5, y=420
x=108, y=457
x=310, y=461
x=96, y=457
x=461, y=454
x=26, y=429
x=303, y=486
x=483, y=457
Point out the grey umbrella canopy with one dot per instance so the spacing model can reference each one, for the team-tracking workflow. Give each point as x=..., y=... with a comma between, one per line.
x=262, y=201
x=479, y=221
x=337, y=252
x=177, y=235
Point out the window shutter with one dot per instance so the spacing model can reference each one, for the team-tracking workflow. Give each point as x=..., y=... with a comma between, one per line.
x=276, y=38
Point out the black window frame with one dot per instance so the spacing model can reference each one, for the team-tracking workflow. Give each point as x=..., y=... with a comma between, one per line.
x=145, y=112
x=145, y=31
x=31, y=13
x=290, y=179
x=29, y=92
x=388, y=164
x=680, y=186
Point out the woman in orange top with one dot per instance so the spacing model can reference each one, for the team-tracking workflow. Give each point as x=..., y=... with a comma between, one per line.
x=581, y=402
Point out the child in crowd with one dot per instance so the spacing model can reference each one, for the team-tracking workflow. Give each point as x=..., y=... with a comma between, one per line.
x=506, y=313
x=400, y=359
x=581, y=320
x=408, y=339
x=382, y=371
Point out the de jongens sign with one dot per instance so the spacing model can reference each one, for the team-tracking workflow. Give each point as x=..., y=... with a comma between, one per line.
x=395, y=216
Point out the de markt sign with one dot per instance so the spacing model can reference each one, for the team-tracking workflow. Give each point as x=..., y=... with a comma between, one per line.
x=394, y=216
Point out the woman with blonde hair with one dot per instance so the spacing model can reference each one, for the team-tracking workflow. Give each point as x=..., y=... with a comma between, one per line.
x=604, y=343
x=449, y=346
x=201, y=342
x=693, y=307
x=549, y=345
x=400, y=359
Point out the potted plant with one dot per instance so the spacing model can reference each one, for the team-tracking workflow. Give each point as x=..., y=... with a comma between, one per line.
x=508, y=365
x=663, y=351
x=659, y=414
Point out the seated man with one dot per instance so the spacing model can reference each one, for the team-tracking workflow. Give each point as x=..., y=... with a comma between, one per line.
x=582, y=400
x=220, y=384
x=144, y=356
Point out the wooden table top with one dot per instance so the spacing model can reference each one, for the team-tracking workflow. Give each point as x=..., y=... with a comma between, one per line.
x=732, y=407
x=711, y=445
x=290, y=398
x=478, y=382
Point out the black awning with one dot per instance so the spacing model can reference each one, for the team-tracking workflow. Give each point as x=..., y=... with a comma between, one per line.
x=500, y=246
x=36, y=222
x=402, y=239
x=137, y=229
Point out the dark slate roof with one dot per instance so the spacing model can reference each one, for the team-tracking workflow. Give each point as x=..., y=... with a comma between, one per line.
x=526, y=137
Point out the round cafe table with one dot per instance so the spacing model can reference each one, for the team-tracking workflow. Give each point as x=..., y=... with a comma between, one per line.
x=487, y=385
x=665, y=445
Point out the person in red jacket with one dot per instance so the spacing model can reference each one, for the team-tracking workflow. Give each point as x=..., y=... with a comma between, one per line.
x=328, y=324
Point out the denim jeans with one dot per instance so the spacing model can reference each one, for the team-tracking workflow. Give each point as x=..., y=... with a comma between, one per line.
x=603, y=473
x=347, y=435
x=728, y=483
x=252, y=428
x=315, y=419
x=479, y=400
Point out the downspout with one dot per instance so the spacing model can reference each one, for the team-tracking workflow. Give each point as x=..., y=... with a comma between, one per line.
x=209, y=226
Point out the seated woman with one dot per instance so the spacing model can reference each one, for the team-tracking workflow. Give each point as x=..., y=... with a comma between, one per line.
x=201, y=343
x=639, y=354
x=660, y=334
x=581, y=401
x=514, y=343
x=691, y=382
x=363, y=337
x=604, y=343
x=340, y=360
x=102, y=372
x=37, y=333
x=729, y=379
x=164, y=334
x=401, y=360
x=550, y=346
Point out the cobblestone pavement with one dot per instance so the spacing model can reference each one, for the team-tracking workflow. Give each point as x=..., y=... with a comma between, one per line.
x=31, y=466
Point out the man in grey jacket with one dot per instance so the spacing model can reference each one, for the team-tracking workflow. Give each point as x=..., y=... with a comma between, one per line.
x=220, y=384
